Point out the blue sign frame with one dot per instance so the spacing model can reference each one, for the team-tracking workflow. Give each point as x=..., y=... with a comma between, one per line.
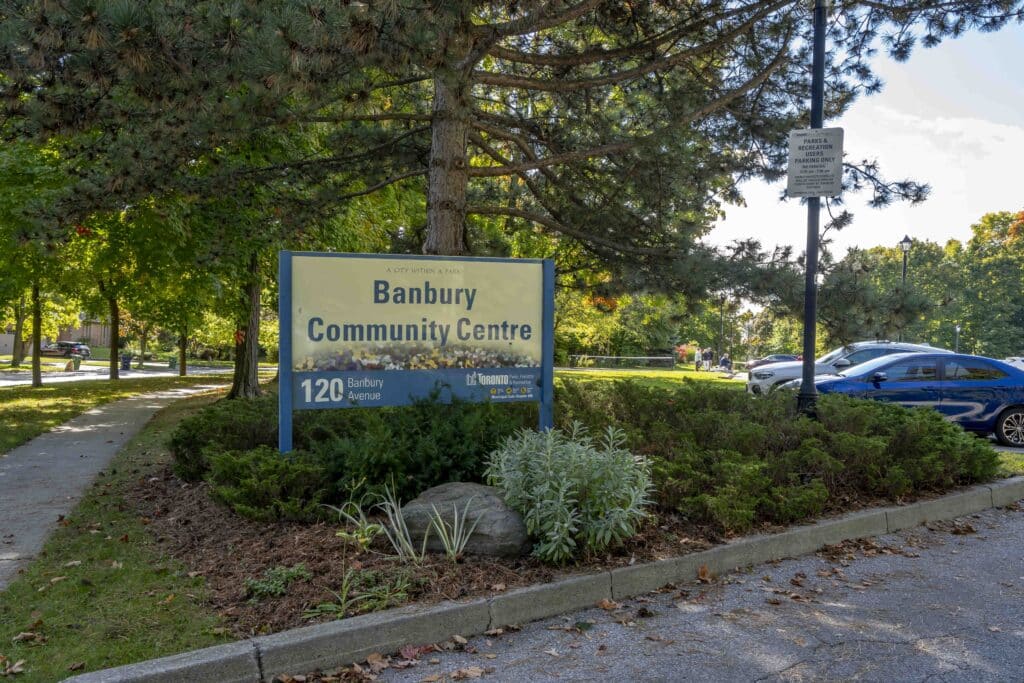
x=326, y=389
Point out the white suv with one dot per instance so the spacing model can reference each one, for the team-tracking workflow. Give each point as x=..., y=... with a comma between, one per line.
x=765, y=378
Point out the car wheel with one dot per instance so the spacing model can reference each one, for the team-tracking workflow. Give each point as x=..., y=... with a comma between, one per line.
x=1010, y=428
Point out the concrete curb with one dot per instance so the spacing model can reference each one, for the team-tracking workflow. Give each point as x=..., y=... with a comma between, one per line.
x=338, y=643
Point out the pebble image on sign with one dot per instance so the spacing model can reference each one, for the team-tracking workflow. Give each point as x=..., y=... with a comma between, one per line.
x=407, y=357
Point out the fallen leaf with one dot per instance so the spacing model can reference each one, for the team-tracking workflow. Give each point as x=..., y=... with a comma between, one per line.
x=659, y=639
x=773, y=601
x=490, y=656
x=432, y=678
x=644, y=613
x=57, y=579
x=76, y=666
x=704, y=574
x=377, y=662
x=498, y=587
x=494, y=632
x=167, y=600
x=995, y=629
x=553, y=652
x=114, y=564
x=607, y=604
x=123, y=538
x=73, y=563
x=459, y=639
x=468, y=672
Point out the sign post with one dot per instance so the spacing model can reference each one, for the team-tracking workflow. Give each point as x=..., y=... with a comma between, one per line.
x=371, y=330
x=813, y=178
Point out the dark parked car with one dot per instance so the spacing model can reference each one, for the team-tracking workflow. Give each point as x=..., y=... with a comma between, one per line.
x=66, y=349
x=979, y=394
x=774, y=358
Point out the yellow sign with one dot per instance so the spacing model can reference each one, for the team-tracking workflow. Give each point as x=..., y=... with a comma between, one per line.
x=381, y=313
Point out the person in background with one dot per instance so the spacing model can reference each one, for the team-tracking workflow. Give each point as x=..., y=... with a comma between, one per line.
x=697, y=355
x=708, y=358
x=725, y=362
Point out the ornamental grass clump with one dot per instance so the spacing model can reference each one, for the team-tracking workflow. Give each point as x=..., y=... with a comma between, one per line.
x=574, y=494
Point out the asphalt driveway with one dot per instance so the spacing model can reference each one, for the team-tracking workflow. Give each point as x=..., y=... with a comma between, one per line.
x=944, y=603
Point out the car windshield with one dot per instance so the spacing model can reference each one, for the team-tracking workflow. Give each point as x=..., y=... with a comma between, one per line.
x=831, y=356
x=869, y=366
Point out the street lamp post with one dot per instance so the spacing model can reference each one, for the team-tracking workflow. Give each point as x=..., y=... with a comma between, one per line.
x=956, y=340
x=905, y=245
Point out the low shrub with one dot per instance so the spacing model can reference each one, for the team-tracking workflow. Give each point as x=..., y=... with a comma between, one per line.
x=265, y=484
x=340, y=454
x=238, y=425
x=724, y=458
x=573, y=495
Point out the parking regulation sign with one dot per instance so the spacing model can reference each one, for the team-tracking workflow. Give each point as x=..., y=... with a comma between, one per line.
x=815, y=162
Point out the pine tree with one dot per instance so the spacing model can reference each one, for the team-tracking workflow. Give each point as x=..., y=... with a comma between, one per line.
x=618, y=127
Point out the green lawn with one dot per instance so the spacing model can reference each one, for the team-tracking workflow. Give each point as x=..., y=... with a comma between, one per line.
x=27, y=412
x=101, y=594
x=47, y=365
x=1012, y=463
x=655, y=376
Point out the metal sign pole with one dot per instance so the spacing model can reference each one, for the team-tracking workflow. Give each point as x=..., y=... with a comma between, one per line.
x=808, y=392
x=284, y=352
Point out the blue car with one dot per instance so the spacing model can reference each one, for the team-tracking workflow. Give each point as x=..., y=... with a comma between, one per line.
x=979, y=394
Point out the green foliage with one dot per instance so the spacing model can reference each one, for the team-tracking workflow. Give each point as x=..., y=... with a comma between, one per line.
x=420, y=446
x=724, y=458
x=396, y=530
x=233, y=425
x=346, y=453
x=574, y=495
x=364, y=591
x=362, y=531
x=275, y=581
x=456, y=535
x=263, y=483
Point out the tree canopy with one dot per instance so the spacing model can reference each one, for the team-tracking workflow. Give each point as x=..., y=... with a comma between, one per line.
x=618, y=128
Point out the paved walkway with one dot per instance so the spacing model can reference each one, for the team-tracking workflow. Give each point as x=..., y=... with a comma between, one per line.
x=921, y=605
x=45, y=478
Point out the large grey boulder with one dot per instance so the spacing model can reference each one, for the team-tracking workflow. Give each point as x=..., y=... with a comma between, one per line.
x=500, y=532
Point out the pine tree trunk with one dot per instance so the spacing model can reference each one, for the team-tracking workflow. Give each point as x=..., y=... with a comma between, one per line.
x=449, y=169
x=18, y=348
x=37, y=337
x=182, y=356
x=246, y=381
x=115, y=337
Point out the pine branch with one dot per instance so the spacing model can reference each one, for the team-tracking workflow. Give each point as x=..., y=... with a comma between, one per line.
x=644, y=46
x=654, y=65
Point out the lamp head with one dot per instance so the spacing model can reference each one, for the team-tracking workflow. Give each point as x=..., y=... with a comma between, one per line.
x=905, y=244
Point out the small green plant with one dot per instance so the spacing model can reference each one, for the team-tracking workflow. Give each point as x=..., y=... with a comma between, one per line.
x=275, y=581
x=573, y=495
x=382, y=592
x=396, y=531
x=363, y=591
x=456, y=535
x=362, y=531
x=345, y=600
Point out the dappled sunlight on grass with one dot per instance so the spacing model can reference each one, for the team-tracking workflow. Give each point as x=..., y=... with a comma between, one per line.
x=26, y=412
x=656, y=376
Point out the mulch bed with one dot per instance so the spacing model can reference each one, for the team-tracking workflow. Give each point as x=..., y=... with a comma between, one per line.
x=226, y=550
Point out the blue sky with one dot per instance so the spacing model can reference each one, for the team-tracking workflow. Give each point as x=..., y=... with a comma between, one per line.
x=952, y=116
